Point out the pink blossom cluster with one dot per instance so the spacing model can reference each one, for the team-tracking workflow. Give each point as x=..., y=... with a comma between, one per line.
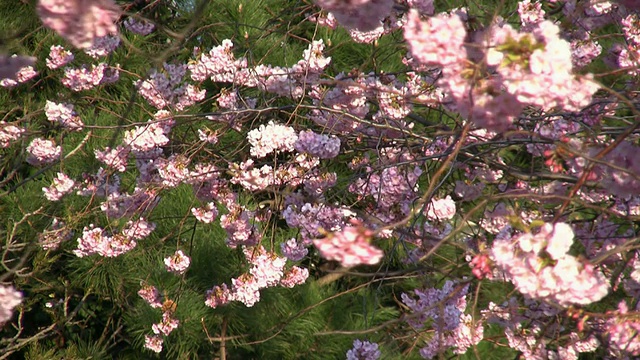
x=218, y=296
x=114, y=158
x=584, y=51
x=543, y=75
x=9, y=133
x=350, y=246
x=294, y=276
x=220, y=65
x=138, y=229
x=166, y=89
x=173, y=170
x=441, y=209
x=18, y=76
x=147, y=138
x=429, y=47
x=317, y=145
x=206, y=214
x=163, y=328
x=393, y=103
x=150, y=295
x=63, y=114
x=42, y=152
x=80, y=22
x=526, y=69
x=254, y=179
x=363, y=350
x=62, y=185
x=11, y=66
x=273, y=138
x=168, y=324
x=153, y=343
x=239, y=229
x=177, y=263
x=95, y=241
x=84, y=78
x=102, y=46
x=267, y=270
x=531, y=14
x=540, y=267
x=9, y=299
x=623, y=330
x=58, y=57
x=140, y=27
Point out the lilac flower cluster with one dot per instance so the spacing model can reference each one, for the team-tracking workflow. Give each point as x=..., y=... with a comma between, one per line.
x=363, y=350
x=102, y=46
x=444, y=310
x=140, y=27
x=166, y=89
x=317, y=145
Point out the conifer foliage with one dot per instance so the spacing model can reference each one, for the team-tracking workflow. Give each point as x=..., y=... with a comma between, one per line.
x=274, y=179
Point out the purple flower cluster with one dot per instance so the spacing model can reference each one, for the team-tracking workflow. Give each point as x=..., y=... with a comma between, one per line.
x=363, y=350
x=444, y=310
x=317, y=145
x=166, y=89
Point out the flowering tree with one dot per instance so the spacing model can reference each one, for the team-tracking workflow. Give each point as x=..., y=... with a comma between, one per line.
x=362, y=179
